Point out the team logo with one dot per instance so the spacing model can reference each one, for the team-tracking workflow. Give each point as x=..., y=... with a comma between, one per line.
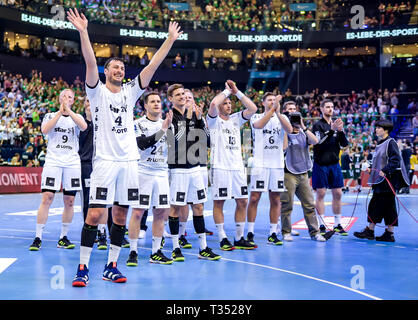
x=144, y=200
x=101, y=193
x=180, y=196
x=163, y=199
x=50, y=182
x=223, y=192
x=75, y=183
x=133, y=194
x=280, y=184
x=259, y=184
x=201, y=194
x=244, y=191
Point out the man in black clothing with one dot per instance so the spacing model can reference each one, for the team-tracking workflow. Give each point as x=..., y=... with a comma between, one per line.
x=387, y=164
x=326, y=173
x=185, y=154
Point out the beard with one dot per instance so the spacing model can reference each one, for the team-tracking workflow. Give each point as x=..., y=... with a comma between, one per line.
x=115, y=82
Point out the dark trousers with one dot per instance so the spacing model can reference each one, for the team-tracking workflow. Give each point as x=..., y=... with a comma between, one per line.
x=383, y=206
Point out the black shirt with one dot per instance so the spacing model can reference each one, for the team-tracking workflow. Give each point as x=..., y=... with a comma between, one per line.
x=327, y=151
x=190, y=137
x=85, y=142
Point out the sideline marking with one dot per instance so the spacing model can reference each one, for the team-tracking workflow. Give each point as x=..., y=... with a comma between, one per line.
x=5, y=263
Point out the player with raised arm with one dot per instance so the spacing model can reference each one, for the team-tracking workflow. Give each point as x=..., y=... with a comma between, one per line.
x=114, y=180
x=227, y=168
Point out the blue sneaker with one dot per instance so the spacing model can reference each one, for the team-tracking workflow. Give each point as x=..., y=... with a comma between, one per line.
x=111, y=273
x=81, y=279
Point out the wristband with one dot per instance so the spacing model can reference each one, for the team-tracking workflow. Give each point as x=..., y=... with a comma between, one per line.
x=240, y=95
x=226, y=92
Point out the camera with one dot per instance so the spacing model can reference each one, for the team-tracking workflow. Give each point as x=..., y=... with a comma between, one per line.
x=295, y=118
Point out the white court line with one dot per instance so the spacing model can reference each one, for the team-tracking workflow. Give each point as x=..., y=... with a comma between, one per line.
x=5, y=263
x=262, y=266
x=18, y=230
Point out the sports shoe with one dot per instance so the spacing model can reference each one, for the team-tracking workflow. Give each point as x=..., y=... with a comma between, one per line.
x=226, y=245
x=208, y=254
x=160, y=258
x=318, y=237
x=177, y=255
x=273, y=239
x=132, y=260
x=387, y=236
x=142, y=234
x=287, y=237
x=208, y=233
x=126, y=232
x=36, y=244
x=81, y=279
x=295, y=233
x=65, y=243
x=102, y=243
x=339, y=229
x=184, y=243
x=365, y=234
x=162, y=243
x=322, y=229
x=125, y=243
x=250, y=239
x=111, y=273
x=243, y=244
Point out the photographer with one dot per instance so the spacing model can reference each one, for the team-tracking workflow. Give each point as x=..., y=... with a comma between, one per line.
x=296, y=180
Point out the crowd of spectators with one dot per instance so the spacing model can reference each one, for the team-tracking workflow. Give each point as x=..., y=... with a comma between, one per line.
x=232, y=15
x=25, y=100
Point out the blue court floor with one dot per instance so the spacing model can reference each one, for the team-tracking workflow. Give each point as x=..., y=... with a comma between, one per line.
x=343, y=268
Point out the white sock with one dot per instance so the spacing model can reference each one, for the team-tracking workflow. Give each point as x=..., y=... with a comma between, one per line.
x=156, y=244
x=39, y=230
x=337, y=218
x=101, y=228
x=133, y=244
x=273, y=228
x=239, y=230
x=251, y=227
x=64, y=229
x=175, y=239
x=221, y=231
x=202, y=240
x=85, y=253
x=113, y=253
x=182, y=228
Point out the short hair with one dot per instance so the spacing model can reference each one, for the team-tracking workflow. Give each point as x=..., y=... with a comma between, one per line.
x=266, y=95
x=63, y=93
x=108, y=61
x=174, y=87
x=151, y=93
x=287, y=103
x=190, y=91
x=323, y=102
x=385, y=124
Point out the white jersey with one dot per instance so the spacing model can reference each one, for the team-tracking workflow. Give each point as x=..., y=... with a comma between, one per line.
x=153, y=159
x=268, y=143
x=225, y=141
x=62, y=149
x=113, y=121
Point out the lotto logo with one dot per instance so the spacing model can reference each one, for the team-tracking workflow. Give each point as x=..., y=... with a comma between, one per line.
x=180, y=196
x=244, y=191
x=223, y=192
x=260, y=184
x=201, y=194
x=75, y=183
